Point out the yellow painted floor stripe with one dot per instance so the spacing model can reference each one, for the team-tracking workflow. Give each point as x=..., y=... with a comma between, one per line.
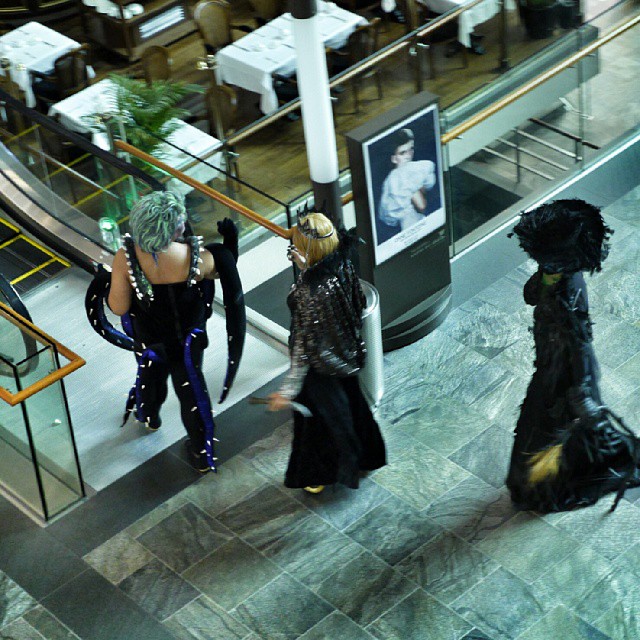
x=6, y=243
x=95, y=193
x=33, y=243
x=24, y=276
x=52, y=256
x=8, y=224
x=22, y=133
x=69, y=164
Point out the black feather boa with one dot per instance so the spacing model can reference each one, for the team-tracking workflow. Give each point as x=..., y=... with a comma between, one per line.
x=564, y=236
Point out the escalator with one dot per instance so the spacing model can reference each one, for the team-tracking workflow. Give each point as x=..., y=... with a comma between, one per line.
x=24, y=262
x=56, y=187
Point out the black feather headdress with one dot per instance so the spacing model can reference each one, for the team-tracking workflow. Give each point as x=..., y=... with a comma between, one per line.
x=564, y=236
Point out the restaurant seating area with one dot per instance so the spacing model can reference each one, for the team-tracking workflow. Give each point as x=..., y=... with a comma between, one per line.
x=240, y=56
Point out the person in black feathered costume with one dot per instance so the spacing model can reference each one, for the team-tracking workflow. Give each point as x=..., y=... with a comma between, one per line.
x=342, y=438
x=569, y=449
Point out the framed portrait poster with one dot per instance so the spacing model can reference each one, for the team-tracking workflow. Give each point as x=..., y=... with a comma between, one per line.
x=400, y=211
x=403, y=173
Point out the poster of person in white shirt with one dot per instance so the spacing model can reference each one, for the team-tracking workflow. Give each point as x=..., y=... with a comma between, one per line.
x=404, y=176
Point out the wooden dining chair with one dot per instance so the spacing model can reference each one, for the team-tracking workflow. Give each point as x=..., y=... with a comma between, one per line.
x=446, y=35
x=361, y=7
x=221, y=103
x=13, y=121
x=70, y=75
x=213, y=19
x=362, y=43
x=266, y=10
x=156, y=64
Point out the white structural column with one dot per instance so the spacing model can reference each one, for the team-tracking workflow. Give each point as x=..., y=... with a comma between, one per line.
x=317, y=116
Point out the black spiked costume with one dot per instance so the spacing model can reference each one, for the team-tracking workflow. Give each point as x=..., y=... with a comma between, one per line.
x=166, y=329
x=569, y=449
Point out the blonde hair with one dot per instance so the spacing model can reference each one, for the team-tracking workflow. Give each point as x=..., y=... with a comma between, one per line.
x=314, y=249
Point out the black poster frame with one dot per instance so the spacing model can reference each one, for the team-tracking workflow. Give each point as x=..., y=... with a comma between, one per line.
x=414, y=282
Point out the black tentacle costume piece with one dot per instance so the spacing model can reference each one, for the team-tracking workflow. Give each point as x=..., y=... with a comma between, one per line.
x=570, y=449
x=180, y=354
x=233, y=300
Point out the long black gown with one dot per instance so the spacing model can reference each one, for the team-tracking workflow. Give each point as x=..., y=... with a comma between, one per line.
x=342, y=438
x=563, y=407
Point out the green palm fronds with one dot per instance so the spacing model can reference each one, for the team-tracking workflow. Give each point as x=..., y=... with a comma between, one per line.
x=149, y=113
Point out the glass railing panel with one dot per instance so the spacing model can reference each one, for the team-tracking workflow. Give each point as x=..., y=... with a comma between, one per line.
x=87, y=188
x=402, y=75
x=52, y=438
x=538, y=140
x=608, y=103
x=17, y=475
x=210, y=169
x=36, y=439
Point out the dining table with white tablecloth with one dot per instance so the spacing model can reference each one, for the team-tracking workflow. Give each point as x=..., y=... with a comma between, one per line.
x=251, y=61
x=192, y=151
x=468, y=19
x=34, y=47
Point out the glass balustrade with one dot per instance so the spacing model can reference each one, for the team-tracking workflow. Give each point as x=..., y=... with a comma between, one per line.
x=39, y=466
x=86, y=187
x=216, y=170
x=537, y=141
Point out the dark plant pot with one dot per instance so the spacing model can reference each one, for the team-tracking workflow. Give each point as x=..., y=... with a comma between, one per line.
x=540, y=22
x=568, y=14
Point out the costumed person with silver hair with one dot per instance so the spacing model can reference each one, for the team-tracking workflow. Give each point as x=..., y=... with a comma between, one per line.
x=162, y=286
x=569, y=449
x=341, y=438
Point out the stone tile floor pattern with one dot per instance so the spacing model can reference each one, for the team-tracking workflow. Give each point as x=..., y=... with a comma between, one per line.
x=429, y=547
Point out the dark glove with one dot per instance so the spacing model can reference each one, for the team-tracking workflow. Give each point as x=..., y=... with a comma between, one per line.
x=229, y=231
x=103, y=275
x=582, y=404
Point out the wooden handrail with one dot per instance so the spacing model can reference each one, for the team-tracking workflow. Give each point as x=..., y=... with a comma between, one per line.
x=537, y=81
x=208, y=191
x=75, y=361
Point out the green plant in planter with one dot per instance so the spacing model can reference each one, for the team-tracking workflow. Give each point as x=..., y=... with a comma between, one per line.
x=148, y=112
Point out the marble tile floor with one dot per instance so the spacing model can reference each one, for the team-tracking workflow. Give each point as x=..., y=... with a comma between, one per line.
x=428, y=548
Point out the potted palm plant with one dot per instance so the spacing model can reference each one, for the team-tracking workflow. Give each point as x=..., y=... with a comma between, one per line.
x=539, y=16
x=149, y=113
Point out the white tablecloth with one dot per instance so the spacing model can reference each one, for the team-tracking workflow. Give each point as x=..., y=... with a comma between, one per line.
x=190, y=140
x=34, y=47
x=250, y=62
x=481, y=12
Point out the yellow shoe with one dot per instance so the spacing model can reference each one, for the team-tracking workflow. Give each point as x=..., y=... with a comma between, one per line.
x=315, y=489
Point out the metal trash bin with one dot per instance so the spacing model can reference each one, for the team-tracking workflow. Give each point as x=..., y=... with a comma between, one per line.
x=371, y=376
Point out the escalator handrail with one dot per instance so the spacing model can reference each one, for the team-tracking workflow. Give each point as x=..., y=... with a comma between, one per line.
x=13, y=298
x=15, y=302
x=75, y=361
x=80, y=141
